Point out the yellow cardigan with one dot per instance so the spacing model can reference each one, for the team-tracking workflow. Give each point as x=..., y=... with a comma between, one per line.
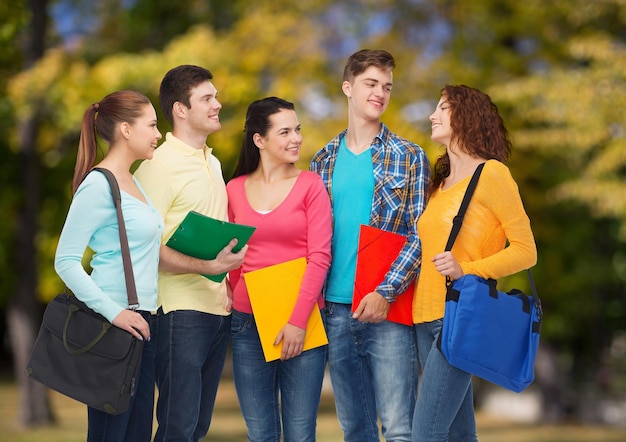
x=495, y=214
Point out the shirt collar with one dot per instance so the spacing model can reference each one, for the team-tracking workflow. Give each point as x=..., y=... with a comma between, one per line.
x=185, y=148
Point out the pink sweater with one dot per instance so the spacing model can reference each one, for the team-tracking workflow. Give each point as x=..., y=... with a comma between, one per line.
x=300, y=226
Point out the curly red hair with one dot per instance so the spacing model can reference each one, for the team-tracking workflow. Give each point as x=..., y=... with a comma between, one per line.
x=477, y=128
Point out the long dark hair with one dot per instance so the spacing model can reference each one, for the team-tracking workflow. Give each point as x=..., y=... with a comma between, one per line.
x=257, y=122
x=102, y=118
x=477, y=128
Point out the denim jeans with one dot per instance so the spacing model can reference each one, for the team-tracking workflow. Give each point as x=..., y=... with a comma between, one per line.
x=373, y=368
x=190, y=352
x=445, y=404
x=258, y=384
x=136, y=423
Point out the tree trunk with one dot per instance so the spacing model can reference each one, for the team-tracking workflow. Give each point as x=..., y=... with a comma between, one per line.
x=24, y=311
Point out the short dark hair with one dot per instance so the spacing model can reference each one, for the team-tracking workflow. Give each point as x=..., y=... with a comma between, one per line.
x=361, y=60
x=177, y=85
x=257, y=122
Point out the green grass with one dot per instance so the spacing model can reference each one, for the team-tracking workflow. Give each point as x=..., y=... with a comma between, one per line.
x=228, y=425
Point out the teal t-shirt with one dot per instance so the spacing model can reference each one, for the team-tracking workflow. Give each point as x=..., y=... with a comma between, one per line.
x=352, y=189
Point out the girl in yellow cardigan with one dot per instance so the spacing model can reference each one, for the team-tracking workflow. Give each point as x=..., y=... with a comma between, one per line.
x=467, y=123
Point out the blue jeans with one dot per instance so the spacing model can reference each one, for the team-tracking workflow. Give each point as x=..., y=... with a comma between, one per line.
x=258, y=383
x=190, y=352
x=373, y=368
x=136, y=423
x=445, y=404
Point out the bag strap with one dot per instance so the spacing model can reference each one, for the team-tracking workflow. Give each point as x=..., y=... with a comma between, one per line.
x=537, y=301
x=131, y=289
x=457, y=221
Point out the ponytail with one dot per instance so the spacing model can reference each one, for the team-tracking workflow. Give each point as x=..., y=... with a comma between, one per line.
x=86, y=157
x=102, y=119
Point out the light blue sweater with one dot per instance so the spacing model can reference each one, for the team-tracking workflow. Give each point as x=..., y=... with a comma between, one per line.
x=92, y=222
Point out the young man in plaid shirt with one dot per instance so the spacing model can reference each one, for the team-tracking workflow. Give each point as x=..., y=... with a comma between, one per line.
x=376, y=178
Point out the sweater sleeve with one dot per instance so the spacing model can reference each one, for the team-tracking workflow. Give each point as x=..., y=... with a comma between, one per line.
x=91, y=209
x=319, y=231
x=233, y=275
x=501, y=196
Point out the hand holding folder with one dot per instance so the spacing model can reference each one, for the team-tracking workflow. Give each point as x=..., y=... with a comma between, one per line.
x=204, y=237
x=378, y=249
x=273, y=293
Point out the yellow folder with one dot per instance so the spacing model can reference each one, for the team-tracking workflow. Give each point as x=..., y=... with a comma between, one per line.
x=273, y=293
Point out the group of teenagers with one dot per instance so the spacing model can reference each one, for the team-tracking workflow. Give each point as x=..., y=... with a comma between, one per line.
x=366, y=175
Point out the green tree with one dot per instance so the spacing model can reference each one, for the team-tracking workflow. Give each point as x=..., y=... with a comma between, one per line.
x=580, y=207
x=121, y=26
x=14, y=19
x=23, y=314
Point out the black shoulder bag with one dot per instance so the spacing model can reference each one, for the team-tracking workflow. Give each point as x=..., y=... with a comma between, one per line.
x=82, y=355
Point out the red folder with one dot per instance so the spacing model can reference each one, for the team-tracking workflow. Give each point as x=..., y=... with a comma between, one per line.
x=378, y=249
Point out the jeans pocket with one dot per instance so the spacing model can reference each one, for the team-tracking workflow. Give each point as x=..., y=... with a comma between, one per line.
x=327, y=310
x=239, y=322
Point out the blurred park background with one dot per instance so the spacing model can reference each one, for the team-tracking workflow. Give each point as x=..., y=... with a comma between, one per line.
x=556, y=70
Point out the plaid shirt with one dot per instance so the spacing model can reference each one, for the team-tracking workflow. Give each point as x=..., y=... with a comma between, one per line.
x=401, y=174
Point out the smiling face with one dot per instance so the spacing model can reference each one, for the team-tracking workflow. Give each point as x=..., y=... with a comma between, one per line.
x=144, y=134
x=283, y=139
x=440, y=123
x=369, y=93
x=203, y=113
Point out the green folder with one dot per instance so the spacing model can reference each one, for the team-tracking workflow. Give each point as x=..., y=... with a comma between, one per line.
x=204, y=237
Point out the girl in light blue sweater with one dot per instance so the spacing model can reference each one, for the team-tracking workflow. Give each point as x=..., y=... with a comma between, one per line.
x=126, y=121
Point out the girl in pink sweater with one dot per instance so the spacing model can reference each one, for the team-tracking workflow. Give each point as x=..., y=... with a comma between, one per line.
x=291, y=211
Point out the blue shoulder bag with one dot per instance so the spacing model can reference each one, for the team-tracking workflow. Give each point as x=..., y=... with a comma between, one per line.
x=491, y=334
